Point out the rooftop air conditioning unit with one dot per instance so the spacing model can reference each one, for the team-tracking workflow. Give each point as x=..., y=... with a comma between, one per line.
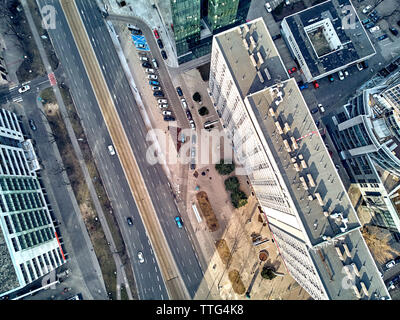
x=246, y=45
x=260, y=76
x=260, y=58
x=253, y=61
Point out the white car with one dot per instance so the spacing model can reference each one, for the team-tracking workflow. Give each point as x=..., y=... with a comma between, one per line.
x=163, y=106
x=341, y=75
x=140, y=256
x=152, y=76
x=268, y=7
x=162, y=100
x=359, y=66
x=366, y=9
x=346, y=73
x=390, y=264
x=111, y=150
x=156, y=88
x=24, y=89
x=374, y=29
x=155, y=64
x=143, y=58
x=321, y=108
x=149, y=70
x=192, y=124
x=166, y=113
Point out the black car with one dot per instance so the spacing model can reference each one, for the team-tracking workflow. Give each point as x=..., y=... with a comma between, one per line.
x=315, y=110
x=394, y=31
x=376, y=18
x=179, y=90
x=136, y=32
x=364, y=64
x=164, y=54
x=130, y=221
x=317, y=123
x=169, y=118
x=188, y=114
x=146, y=65
x=160, y=44
x=277, y=36
x=158, y=94
x=32, y=125
x=398, y=23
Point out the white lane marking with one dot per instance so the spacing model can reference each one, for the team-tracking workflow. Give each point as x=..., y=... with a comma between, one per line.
x=158, y=279
x=159, y=287
x=188, y=277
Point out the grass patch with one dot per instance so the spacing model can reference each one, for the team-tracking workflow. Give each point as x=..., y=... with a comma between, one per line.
x=207, y=211
x=236, y=281
x=48, y=96
x=223, y=251
x=75, y=175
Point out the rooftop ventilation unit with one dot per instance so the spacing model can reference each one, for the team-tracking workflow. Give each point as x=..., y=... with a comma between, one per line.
x=294, y=143
x=272, y=112
x=253, y=43
x=246, y=28
x=304, y=164
x=346, y=249
x=340, y=254
x=260, y=77
x=356, y=291
x=296, y=167
x=286, y=128
x=267, y=73
x=364, y=288
x=253, y=61
x=311, y=180
x=278, y=126
x=286, y=144
x=304, y=183
x=246, y=45
x=320, y=201
x=260, y=58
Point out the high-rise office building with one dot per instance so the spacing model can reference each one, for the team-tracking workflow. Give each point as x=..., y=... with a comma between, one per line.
x=274, y=136
x=195, y=22
x=29, y=247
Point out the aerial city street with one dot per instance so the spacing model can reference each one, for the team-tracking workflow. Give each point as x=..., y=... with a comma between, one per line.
x=199, y=150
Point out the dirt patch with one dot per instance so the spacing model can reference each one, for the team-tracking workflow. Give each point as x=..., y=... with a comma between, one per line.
x=236, y=281
x=207, y=211
x=223, y=251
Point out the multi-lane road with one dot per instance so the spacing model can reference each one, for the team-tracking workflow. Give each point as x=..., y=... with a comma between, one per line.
x=148, y=277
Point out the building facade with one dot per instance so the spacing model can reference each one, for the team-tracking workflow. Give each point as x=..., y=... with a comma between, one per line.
x=293, y=177
x=29, y=247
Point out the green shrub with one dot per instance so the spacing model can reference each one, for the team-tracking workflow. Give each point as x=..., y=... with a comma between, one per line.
x=232, y=184
x=203, y=111
x=225, y=169
x=238, y=198
x=197, y=97
x=268, y=273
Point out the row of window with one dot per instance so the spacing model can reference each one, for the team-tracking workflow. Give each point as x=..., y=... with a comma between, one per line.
x=22, y=201
x=24, y=221
x=16, y=184
x=32, y=239
x=12, y=162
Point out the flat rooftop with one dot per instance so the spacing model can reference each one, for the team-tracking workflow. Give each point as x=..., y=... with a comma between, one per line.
x=259, y=44
x=8, y=277
x=349, y=41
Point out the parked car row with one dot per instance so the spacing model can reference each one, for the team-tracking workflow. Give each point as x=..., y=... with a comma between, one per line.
x=160, y=44
x=186, y=108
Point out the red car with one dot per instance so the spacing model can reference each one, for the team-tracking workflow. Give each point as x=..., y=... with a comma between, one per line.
x=156, y=34
x=315, y=84
x=290, y=71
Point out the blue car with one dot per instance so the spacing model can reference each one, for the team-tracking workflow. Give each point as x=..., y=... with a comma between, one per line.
x=373, y=13
x=365, y=21
x=376, y=18
x=154, y=83
x=369, y=25
x=303, y=86
x=158, y=94
x=382, y=37
x=178, y=221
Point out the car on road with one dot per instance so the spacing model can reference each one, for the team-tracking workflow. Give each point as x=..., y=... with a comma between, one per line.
x=158, y=94
x=154, y=83
x=179, y=91
x=164, y=54
x=382, y=37
x=149, y=70
x=341, y=75
x=32, y=125
x=321, y=108
x=331, y=78
x=163, y=105
x=315, y=84
x=162, y=101
x=360, y=66
x=374, y=29
x=160, y=43
x=192, y=165
x=276, y=37
x=366, y=9
x=156, y=34
x=143, y=58
x=141, y=45
x=390, y=264
x=111, y=150
x=155, y=64
x=152, y=76
x=140, y=257
x=337, y=167
x=130, y=221
x=184, y=104
x=156, y=88
x=393, y=31
x=268, y=7
x=178, y=221
x=146, y=65
x=315, y=110
x=369, y=25
x=290, y=71
x=166, y=113
x=136, y=32
x=24, y=88
x=169, y=118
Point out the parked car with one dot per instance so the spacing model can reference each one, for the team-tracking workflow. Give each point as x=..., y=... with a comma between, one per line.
x=382, y=37
x=164, y=54
x=184, y=103
x=268, y=7
x=154, y=83
x=373, y=13
x=162, y=100
x=366, y=9
x=152, y=76
x=376, y=18
x=393, y=31
x=315, y=110
x=146, y=65
x=141, y=45
x=315, y=84
x=143, y=58
x=192, y=124
x=331, y=78
x=317, y=123
x=158, y=94
x=369, y=25
x=346, y=73
x=365, y=21
x=277, y=36
x=111, y=150
x=374, y=29
x=341, y=75
x=130, y=221
x=24, y=89
x=149, y=70
x=360, y=66
x=179, y=91
x=303, y=86
x=290, y=71
x=156, y=88
x=321, y=108
x=188, y=114
x=166, y=113
x=140, y=257
x=178, y=221
x=169, y=118
x=32, y=125
x=163, y=105
x=155, y=64
x=390, y=264
x=136, y=32
x=156, y=34
x=160, y=43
